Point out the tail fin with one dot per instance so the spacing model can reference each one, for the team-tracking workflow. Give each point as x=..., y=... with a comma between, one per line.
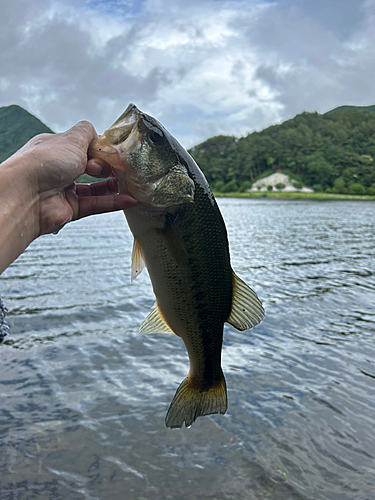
x=189, y=403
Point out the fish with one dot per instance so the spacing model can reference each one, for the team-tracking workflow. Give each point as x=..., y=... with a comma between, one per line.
x=181, y=238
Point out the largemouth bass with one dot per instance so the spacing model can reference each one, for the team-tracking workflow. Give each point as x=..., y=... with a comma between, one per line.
x=180, y=236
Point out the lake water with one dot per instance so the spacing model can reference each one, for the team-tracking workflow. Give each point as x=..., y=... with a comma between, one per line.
x=84, y=397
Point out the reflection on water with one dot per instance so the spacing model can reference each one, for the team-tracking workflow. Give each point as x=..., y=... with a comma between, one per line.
x=83, y=396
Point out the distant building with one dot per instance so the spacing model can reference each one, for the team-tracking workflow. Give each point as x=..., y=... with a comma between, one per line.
x=277, y=179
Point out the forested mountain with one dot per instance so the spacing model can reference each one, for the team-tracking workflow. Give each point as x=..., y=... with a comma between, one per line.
x=17, y=126
x=340, y=109
x=332, y=152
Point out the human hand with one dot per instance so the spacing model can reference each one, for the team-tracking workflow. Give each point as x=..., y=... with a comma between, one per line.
x=38, y=193
x=54, y=162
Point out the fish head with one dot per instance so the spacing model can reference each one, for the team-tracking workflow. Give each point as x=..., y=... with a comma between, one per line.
x=147, y=159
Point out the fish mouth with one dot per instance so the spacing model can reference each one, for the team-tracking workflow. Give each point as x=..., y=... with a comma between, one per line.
x=121, y=138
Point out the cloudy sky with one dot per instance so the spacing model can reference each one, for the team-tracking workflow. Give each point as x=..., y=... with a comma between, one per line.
x=202, y=67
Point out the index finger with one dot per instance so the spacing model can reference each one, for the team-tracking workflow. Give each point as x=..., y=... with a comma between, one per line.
x=82, y=133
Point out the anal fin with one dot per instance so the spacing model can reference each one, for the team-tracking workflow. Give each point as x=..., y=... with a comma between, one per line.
x=155, y=323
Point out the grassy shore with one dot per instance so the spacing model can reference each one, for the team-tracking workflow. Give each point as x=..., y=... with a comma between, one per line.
x=269, y=194
x=296, y=196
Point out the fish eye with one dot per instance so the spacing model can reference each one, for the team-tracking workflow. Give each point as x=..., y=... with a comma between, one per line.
x=156, y=136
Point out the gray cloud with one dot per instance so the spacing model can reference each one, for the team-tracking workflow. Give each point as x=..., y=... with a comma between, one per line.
x=215, y=67
x=313, y=64
x=338, y=17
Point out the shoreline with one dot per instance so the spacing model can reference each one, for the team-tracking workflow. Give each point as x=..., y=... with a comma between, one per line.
x=286, y=195
x=297, y=196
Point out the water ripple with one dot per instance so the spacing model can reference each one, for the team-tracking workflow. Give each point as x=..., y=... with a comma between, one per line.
x=84, y=396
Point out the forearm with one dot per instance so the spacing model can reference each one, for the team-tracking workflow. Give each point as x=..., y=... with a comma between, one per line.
x=18, y=211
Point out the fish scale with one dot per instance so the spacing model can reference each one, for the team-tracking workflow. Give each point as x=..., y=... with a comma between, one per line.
x=180, y=236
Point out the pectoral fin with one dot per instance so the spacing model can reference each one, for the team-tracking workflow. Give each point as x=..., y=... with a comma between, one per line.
x=138, y=262
x=155, y=323
x=174, y=242
x=247, y=310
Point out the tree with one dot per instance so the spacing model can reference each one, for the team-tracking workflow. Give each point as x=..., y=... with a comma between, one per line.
x=319, y=149
x=245, y=186
x=218, y=185
x=230, y=187
x=356, y=188
x=339, y=186
x=319, y=171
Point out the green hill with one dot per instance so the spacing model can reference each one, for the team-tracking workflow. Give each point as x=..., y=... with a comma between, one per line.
x=333, y=152
x=17, y=126
x=341, y=109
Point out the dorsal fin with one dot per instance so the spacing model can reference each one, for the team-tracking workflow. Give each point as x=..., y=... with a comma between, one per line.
x=247, y=310
x=155, y=323
x=138, y=261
